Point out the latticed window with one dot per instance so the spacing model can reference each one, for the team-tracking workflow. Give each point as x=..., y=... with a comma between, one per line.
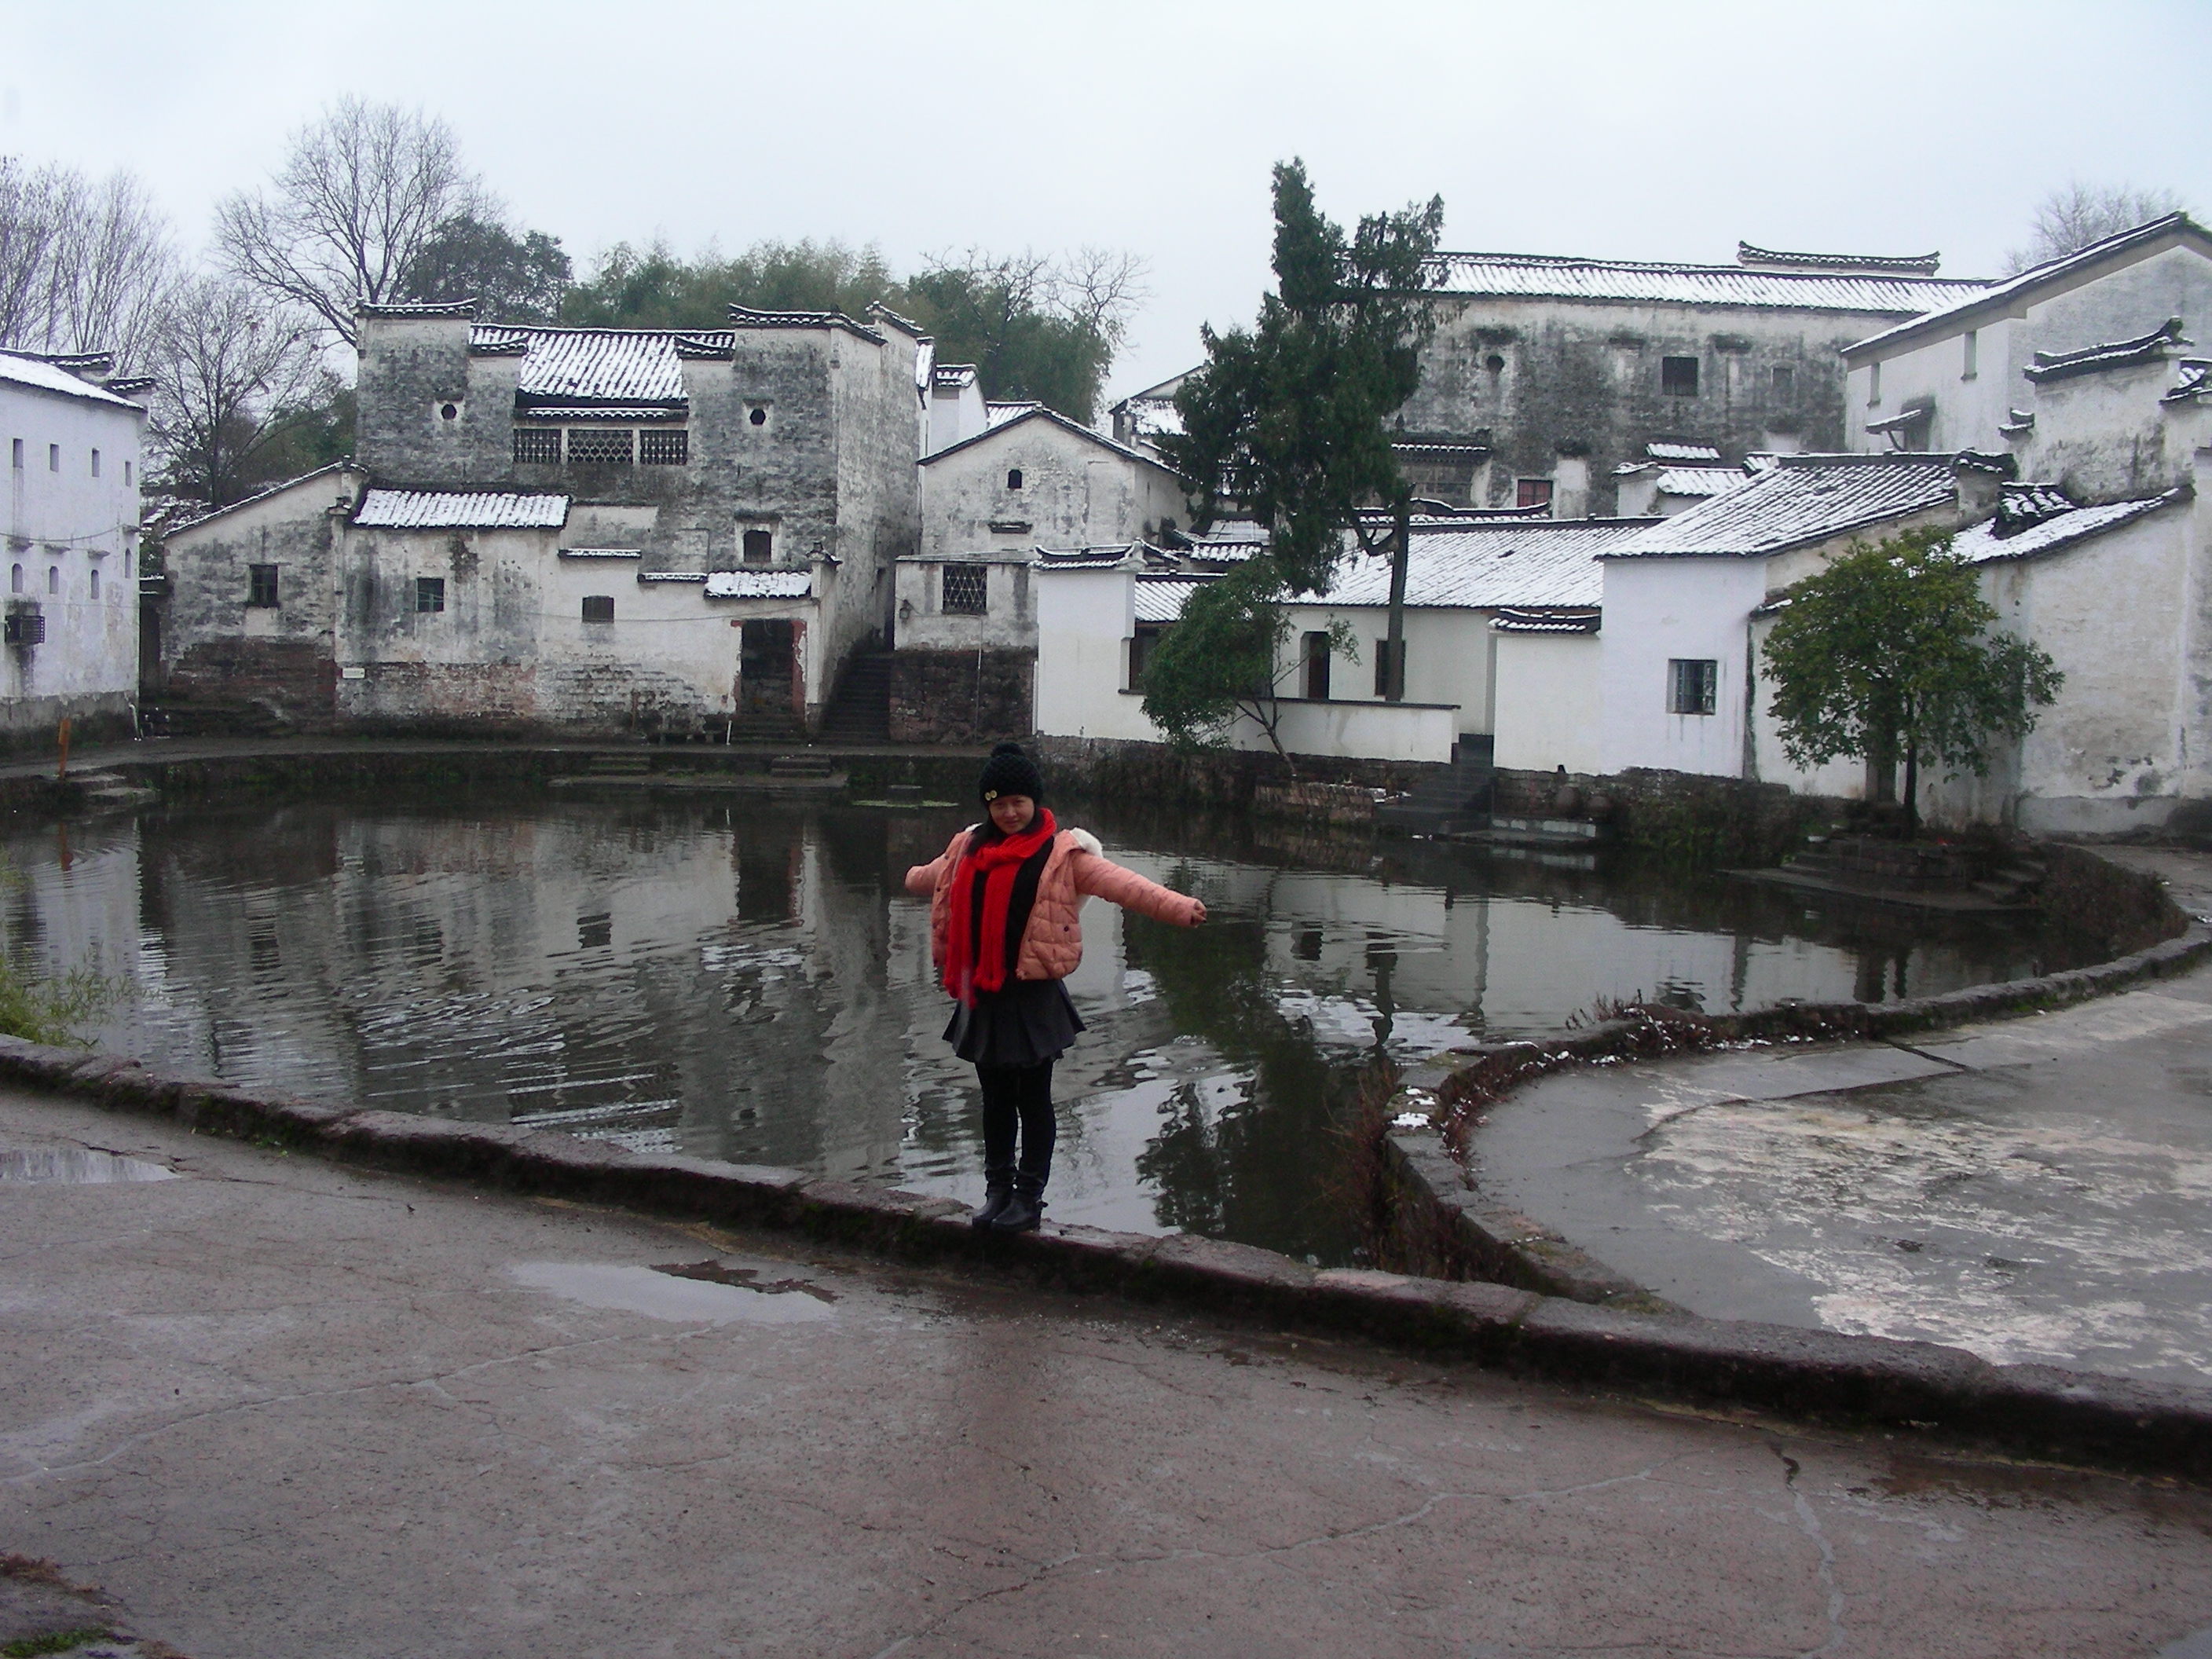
x=429, y=595
x=538, y=446
x=261, y=586
x=598, y=607
x=599, y=447
x=965, y=590
x=664, y=448
x=1693, y=683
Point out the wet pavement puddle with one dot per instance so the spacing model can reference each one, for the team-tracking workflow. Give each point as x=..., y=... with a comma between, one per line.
x=681, y=1295
x=77, y=1166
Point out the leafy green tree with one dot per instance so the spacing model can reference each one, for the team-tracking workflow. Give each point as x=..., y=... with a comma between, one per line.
x=1288, y=419
x=1889, y=653
x=1223, y=658
x=512, y=279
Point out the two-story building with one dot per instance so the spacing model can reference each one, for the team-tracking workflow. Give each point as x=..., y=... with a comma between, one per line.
x=69, y=631
x=671, y=531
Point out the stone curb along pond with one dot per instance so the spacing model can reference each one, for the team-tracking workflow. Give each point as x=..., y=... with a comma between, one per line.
x=2073, y=1417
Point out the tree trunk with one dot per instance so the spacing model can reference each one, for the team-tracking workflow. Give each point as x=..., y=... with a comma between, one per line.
x=1401, y=546
x=1268, y=726
x=1912, y=789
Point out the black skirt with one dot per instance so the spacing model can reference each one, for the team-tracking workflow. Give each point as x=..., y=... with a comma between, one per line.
x=1026, y=1023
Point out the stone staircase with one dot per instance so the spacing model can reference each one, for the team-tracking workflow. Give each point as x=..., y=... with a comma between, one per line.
x=110, y=792
x=174, y=716
x=1917, y=866
x=860, y=712
x=1444, y=804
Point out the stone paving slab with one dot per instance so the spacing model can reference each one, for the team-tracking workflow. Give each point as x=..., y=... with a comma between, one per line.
x=285, y=1409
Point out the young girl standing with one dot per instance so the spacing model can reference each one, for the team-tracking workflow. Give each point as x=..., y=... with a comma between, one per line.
x=1004, y=897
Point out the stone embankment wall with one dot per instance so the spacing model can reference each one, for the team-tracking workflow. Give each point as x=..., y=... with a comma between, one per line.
x=962, y=696
x=1117, y=769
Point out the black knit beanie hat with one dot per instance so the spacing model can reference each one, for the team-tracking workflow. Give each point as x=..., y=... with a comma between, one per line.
x=1010, y=772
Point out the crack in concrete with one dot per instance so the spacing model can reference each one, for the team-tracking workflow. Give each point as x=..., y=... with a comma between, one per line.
x=1809, y=1524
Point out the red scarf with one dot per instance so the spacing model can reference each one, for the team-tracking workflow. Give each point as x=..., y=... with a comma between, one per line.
x=980, y=959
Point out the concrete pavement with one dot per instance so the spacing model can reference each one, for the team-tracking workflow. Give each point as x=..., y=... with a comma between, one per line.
x=280, y=1408
x=2029, y=1189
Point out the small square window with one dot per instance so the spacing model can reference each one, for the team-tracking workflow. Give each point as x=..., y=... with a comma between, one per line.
x=1785, y=383
x=1692, y=685
x=261, y=586
x=964, y=590
x=1014, y=479
x=598, y=607
x=598, y=447
x=664, y=448
x=1531, y=492
x=538, y=446
x=1678, y=376
x=429, y=595
x=759, y=546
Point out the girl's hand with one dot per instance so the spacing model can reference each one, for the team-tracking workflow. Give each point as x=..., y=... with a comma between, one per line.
x=1197, y=912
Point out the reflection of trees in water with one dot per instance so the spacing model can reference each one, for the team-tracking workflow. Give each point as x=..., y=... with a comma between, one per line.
x=1261, y=1168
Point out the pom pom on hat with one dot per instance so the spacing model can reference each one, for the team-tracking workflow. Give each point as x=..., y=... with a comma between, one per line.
x=1010, y=772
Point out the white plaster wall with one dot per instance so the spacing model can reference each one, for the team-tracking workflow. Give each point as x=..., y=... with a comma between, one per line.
x=1085, y=619
x=1009, y=621
x=1449, y=653
x=1549, y=705
x=1657, y=609
x=1357, y=731
x=1073, y=492
x=65, y=526
x=954, y=415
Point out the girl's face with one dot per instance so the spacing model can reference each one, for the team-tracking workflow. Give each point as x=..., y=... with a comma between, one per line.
x=1011, y=813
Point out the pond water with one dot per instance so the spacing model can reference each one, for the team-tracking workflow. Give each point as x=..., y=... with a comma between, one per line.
x=751, y=982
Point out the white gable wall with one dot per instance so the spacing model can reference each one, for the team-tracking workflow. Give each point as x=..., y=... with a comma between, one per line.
x=1084, y=620
x=1549, y=710
x=1074, y=493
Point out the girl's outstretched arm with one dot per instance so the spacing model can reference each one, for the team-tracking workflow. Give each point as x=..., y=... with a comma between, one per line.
x=1100, y=877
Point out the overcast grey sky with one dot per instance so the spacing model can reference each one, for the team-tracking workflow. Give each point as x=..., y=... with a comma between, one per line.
x=1637, y=130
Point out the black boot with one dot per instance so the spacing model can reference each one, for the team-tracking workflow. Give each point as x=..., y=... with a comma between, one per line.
x=1025, y=1210
x=998, y=1192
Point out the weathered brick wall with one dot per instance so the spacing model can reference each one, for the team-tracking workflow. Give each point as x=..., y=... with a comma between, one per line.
x=1127, y=770
x=962, y=696
x=290, y=679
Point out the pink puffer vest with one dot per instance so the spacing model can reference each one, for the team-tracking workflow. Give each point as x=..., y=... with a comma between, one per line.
x=1051, y=944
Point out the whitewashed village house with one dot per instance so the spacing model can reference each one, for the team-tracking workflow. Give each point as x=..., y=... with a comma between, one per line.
x=680, y=532
x=69, y=634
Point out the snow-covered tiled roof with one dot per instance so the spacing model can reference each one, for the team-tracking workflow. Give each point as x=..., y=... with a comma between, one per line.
x=633, y=412
x=593, y=365
x=2011, y=294
x=1700, y=480
x=2196, y=381
x=953, y=376
x=1013, y=409
x=1908, y=265
x=760, y=585
x=1153, y=417
x=1161, y=599
x=671, y=576
x=601, y=552
x=257, y=496
x=1984, y=544
x=1546, y=622
x=1805, y=499
x=746, y=317
x=1018, y=413
x=17, y=368
x=1682, y=451
x=448, y=509
x=1538, y=276
x=1531, y=564
x=2149, y=348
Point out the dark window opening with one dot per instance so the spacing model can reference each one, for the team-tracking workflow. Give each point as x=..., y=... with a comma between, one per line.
x=1531, y=492
x=53, y=458
x=595, y=933
x=1678, y=376
x=759, y=546
x=538, y=446
x=1692, y=682
x=429, y=595
x=1014, y=479
x=1316, y=667
x=599, y=447
x=1786, y=382
x=1494, y=363
x=598, y=607
x=964, y=589
x=664, y=448
x=449, y=412
x=1141, y=645
x=261, y=586
x=26, y=627
x=1384, y=684
x=758, y=417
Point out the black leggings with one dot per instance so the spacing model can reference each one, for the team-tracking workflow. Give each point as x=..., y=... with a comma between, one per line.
x=1018, y=1095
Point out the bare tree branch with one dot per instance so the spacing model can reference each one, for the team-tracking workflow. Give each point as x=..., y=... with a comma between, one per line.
x=362, y=192
x=1102, y=289
x=84, y=266
x=2070, y=219
x=229, y=364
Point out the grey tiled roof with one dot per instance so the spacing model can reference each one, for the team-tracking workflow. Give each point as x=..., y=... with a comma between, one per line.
x=746, y=317
x=958, y=376
x=1805, y=499
x=446, y=510
x=1682, y=451
x=34, y=374
x=1161, y=599
x=601, y=552
x=536, y=411
x=1700, y=480
x=1531, y=563
x=1985, y=542
x=1544, y=275
x=590, y=365
x=1908, y=265
x=2149, y=348
x=1546, y=622
x=760, y=585
x=2006, y=295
